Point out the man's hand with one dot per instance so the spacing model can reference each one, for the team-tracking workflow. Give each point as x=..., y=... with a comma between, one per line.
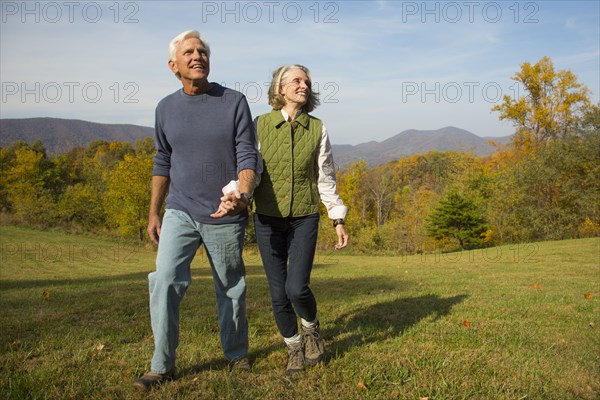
x=342, y=237
x=231, y=204
x=154, y=224
x=160, y=186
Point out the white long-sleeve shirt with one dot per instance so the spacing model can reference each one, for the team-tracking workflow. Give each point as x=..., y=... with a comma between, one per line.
x=326, y=184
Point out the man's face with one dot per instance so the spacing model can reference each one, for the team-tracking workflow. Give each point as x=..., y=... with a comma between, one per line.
x=191, y=61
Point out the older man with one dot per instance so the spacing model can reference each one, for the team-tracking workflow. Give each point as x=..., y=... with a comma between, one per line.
x=204, y=139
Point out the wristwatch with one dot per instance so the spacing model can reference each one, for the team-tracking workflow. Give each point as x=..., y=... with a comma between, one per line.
x=249, y=198
x=339, y=221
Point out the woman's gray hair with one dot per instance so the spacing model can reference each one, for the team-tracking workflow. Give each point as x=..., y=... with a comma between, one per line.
x=277, y=101
x=176, y=41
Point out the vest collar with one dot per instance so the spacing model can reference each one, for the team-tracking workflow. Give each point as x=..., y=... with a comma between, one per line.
x=278, y=119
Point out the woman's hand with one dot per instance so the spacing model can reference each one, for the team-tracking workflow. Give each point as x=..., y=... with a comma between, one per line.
x=342, y=237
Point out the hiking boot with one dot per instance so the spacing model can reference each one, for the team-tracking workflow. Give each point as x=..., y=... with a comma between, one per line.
x=296, y=361
x=150, y=379
x=314, y=346
x=241, y=364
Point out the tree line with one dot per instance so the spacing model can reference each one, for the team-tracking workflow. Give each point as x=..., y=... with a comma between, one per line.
x=542, y=186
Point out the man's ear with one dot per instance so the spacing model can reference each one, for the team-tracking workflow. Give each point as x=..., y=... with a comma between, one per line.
x=173, y=67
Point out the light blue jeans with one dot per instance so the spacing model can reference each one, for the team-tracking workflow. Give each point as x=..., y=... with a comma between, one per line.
x=180, y=237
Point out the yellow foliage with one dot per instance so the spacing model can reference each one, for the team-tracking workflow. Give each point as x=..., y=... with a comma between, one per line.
x=589, y=228
x=128, y=195
x=488, y=236
x=553, y=103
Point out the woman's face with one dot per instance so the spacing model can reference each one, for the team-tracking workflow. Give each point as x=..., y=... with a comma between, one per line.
x=295, y=87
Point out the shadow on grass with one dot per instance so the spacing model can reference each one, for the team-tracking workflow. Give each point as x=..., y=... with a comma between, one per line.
x=383, y=321
x=198, y=273
x=8, y=284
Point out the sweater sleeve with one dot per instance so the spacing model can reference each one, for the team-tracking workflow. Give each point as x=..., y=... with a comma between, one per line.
x=245, y=139
x=162, y=158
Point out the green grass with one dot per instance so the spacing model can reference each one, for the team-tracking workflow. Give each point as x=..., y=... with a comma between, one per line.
x=394, y=326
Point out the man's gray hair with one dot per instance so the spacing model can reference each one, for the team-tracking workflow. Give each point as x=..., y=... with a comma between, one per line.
x=183, y=36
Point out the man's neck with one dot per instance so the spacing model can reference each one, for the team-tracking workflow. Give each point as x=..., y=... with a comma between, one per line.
x=194, y=88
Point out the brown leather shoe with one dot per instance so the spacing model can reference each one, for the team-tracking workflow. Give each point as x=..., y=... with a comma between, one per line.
x=296, y=358
x=314, y=346
x=150, y=379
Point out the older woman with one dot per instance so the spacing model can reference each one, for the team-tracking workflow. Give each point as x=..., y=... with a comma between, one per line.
x=298, y=170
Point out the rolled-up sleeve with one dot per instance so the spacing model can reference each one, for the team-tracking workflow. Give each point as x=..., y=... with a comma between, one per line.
x=326, y=180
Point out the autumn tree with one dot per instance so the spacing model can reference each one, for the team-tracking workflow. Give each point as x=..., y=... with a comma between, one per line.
x=7, y=158
x=144, y=148
x=543, y=185
x=128, y=196
x=30, y=184
x=106, y=154
x=81, y=205
x=550, y=108
x=381, y=191
x=351, y=187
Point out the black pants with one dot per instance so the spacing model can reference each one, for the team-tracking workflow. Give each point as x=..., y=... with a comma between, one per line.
x=287, y=247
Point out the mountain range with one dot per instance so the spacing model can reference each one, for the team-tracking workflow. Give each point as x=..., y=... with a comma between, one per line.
x=61, y=135
x=415, y=141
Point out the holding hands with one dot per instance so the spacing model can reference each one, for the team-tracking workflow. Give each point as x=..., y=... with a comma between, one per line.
x=232, y=203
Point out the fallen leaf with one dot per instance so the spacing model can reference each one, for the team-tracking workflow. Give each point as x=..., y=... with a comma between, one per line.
x=587, y=295
x=46, y=294
x=99, y=349
x=467, y=323
x=361, y=385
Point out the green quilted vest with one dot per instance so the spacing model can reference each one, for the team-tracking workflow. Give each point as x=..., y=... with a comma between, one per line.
x=288, y=186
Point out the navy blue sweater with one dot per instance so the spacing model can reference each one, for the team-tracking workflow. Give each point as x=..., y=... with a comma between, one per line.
x=202, y=142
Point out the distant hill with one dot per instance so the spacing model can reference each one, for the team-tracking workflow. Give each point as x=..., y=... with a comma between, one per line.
x=61, y=135
x=414, y=141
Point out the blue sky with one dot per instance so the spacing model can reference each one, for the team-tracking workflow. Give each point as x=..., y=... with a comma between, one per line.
x=381, y=66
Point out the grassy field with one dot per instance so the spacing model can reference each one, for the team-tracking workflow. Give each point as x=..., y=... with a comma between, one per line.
x=513, y=322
